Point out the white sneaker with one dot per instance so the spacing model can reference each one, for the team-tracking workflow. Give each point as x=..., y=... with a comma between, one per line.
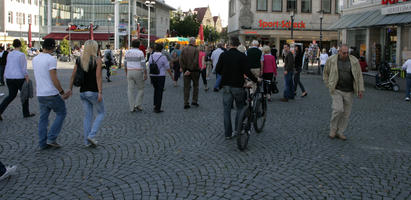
x=92, y=141
x=407, y=99
x=9, y=171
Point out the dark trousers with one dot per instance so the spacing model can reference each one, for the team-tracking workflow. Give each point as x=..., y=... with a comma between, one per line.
x=158, y=84
x=2, y=67
x=204, y=75
x=268, y=87
x=194, y=77
x=289, y=86
x=14, y=85
x=408, y=90
x=177, y=72
x=108, y=67
x=297, y=82
x=2, y=169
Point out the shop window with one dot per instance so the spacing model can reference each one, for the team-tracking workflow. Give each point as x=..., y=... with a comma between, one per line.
x=337, y=6
x=291, y=5
x=306, y=6
x=10, y=18
x=277, y=5
x=326, y=6
x=261, y=5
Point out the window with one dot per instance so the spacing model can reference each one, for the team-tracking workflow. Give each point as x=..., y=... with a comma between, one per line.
x=10, y=19
x=291, y=5
x=35, y=19
x=326, y=6
x=29, y=18
x=337, y=6
x=36, y=2
x=232, y=7
x=24, y=18
x=277, y=5
x=29, y=2
x=306, y=6
x=261, y=5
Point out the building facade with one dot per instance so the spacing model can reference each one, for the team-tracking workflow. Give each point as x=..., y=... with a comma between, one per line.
x=15, y=19
x=205, y=17
x=379, y=29
x=269, y=21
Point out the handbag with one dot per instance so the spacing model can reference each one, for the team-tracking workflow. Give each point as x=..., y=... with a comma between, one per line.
x=274, y=88
x=153, y=66
x=79, y=76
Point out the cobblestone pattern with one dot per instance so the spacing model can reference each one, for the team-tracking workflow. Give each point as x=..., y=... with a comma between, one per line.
x=182, y=154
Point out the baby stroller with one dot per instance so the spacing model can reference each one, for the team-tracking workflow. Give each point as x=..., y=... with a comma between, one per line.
x=385, y=78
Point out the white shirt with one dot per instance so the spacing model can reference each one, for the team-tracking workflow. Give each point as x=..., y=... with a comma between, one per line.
x=42, y=64
x=215, y=56
x=134, y=59
x=407, y=66
x=323, y=58
x=16, y=67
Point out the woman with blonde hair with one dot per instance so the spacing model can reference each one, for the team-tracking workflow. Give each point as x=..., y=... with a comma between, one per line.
x=90, y=90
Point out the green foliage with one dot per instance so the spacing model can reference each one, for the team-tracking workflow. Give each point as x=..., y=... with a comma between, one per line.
x=210, y=34
x=23, y=46
x=187, y=27
x=65, y=47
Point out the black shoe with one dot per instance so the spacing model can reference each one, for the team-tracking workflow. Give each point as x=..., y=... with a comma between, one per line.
x=158, y=111
x=1, y=118
x=54, y=144
x=195, y=104
x=30, y=115
x=215, y=90
x=187, y=107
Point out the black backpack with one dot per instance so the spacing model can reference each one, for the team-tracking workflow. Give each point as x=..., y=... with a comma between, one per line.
x=153, y=66
x=79, y=77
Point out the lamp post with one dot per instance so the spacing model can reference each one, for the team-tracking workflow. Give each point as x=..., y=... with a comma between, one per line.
x=149, y=4
x=321, y=27
x=292, y=23
x=69, y=29
x=108, y=26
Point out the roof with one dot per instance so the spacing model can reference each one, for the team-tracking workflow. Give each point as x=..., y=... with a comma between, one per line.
x=200, y=13
x=370, y=18
x=215, y=18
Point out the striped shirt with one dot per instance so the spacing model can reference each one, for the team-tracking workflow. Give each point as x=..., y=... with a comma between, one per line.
x=134, y=59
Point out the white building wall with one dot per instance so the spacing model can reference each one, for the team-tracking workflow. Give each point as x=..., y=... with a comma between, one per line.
x=162, y=22
x=16, y=7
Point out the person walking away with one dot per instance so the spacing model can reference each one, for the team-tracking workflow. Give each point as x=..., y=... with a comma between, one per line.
x=288, y=74
x=108, y=61
x=158, y=80
x=214, y=58
x=91, y=91
x=209, y=65
x=255, y=59
x=136, y=73
x=274, y=53
x=343, y=77
x=232, y=66
x=203, y=66
x=269, y=71
x=323, y=60
x=50, y=95
x=189, y=64
x=3, y=61
x=175, y=55
x=407, y=68
x=306, y=59
x=15, y=74
x=298, y=69
x=333, y=50
x=5, y=172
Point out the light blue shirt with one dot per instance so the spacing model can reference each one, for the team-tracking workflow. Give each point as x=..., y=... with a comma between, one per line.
x=16, y=67
x=162, y=63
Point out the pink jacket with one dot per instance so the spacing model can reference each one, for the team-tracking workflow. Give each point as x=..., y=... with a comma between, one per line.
x=270, y=65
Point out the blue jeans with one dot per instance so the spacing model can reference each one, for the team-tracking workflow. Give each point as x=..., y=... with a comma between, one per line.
x=47, y=104
x=89, y=100
x=289, y=86
x=231, y=94
x=217, y=82
x=408, y=90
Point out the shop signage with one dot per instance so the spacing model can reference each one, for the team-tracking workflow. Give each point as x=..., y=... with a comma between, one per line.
x=385, y=2
x=280, y=24
x=81, y=28
x=396, y=9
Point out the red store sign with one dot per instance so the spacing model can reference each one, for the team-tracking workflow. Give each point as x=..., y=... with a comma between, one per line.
x=385, y=2
x=282, y=24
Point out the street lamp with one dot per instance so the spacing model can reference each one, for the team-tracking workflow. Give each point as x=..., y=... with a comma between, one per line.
x=108, y=26
x=149, y=4
x=69, y=29
x=321, y=34
x=292, y=23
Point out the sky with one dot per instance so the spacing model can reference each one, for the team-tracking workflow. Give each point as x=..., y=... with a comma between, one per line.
x=218, y=7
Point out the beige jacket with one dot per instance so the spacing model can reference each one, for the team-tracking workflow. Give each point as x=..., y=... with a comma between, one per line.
x=330, y=75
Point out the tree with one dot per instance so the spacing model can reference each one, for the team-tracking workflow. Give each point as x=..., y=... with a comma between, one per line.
x=210, y=34
x=23, y=46
x=187, y=27
x=65, y=47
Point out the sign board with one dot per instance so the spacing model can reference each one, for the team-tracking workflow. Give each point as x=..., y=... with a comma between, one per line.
x=396, y=9
x=283, y=24
x=81, y=28
x=122, y=29
x=386, y=2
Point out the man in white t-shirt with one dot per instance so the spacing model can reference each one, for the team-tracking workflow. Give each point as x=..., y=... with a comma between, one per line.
x=407, y=68
x=48, y=91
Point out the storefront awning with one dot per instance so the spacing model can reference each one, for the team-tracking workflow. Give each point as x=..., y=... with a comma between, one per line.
x=79, y=36
x=370, y=18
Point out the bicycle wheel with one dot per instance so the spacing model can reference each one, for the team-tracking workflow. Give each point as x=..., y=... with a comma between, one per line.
x=243, y=129
x=260, y=112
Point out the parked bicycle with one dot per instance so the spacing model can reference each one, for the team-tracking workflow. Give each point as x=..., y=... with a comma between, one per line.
x=253, y=115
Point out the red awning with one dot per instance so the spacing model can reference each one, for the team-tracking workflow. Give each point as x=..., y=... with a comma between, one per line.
x=79, y=36
x=152, y=37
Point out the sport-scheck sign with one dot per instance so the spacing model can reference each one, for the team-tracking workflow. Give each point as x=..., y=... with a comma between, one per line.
x=280, y=24
x=384, y=2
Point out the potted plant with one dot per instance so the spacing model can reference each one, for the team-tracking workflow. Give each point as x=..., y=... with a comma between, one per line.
x=65, y=50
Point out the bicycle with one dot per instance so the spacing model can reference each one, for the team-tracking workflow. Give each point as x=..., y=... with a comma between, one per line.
x=253, y=114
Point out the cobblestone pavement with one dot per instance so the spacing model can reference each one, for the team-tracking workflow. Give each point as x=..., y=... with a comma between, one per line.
x=182, y=154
